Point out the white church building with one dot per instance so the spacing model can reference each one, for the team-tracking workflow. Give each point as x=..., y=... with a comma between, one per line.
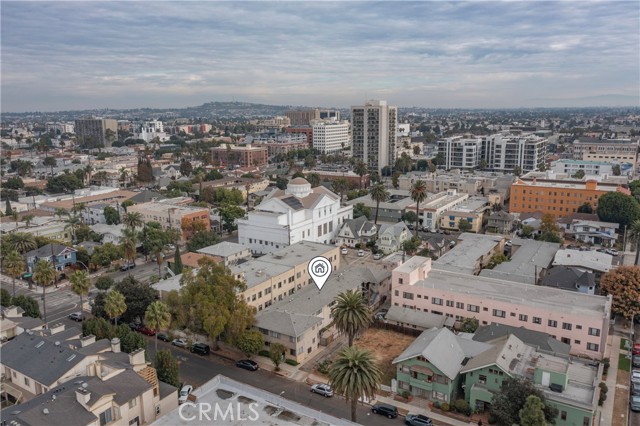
x=299, y=213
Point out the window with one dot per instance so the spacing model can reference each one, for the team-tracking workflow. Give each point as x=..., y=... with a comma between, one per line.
x=499, y=313
x=563, y=415
x=450, y=303
x=274, y=334
x=473, y=308
x=436, y=301
x=27, y=382
x=566, y=326
x=537, y=320
x=586, y=421
x=399, y=280
x=133, y=403
x=406, y=295
x=107, y=417
x=459, y=305
x=594, y=331
x=593, y=347
x=482, y=379
x=523, y=317
x=552, y=323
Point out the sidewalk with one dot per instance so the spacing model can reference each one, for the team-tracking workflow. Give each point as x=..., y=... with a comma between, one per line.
x=404, y=408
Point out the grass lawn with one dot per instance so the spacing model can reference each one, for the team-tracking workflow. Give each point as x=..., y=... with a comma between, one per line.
x=624, y=343
x=624, y=363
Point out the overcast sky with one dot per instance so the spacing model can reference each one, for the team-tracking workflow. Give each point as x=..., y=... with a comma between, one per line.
x=77, y=55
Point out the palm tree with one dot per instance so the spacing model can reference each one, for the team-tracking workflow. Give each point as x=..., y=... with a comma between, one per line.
x=80, y=285
x=355, y=374
x=129, y=241
x=360, y=169
x=634, y=235
x=21, y=242
x=87, y=172
x=199, y=177
x=158, y=315
x=159, y=255
x=60, y=212
x=114, y=305
x=101, y=177
x=72, y=224
x=44, y=273
x=378, y=194
x=418, y=194
x=351, y=313
x=132, y=220
x=28, y=218
x=124, y=175
x=15, y=266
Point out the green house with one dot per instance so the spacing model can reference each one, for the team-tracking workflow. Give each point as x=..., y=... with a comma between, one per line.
x=570, y=385
x=429, y=368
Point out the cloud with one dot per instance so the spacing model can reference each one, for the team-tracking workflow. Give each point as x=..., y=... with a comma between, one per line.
x=64, y=55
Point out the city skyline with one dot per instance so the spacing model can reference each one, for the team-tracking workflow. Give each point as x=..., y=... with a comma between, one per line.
x=84, y=55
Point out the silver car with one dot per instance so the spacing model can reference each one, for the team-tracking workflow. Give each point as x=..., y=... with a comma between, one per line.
x=322, y=389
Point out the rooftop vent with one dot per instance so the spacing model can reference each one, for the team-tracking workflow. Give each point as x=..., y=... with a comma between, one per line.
x=40, y=343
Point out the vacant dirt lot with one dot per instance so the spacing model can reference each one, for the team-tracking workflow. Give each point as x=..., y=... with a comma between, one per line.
x=385, y=345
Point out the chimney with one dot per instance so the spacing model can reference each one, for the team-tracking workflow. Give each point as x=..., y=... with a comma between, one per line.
x=56, y=328
x=83, y=395
x=136, y=359
x=115, y=345
x=88, y=340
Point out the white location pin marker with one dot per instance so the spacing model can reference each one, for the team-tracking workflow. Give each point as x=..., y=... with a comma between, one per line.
x=319, y=269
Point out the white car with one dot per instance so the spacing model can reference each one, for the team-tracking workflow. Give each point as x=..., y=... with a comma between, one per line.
x=181, y=343
x=344, y=250
x=184, y=394
x=360, y=253
x=612, y=252
x=635, y=376
x=377, y=256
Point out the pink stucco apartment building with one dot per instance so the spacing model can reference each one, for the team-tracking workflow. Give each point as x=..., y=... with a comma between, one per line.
x=578, y=319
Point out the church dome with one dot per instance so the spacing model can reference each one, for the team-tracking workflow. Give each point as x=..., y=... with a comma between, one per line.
x=299, y=187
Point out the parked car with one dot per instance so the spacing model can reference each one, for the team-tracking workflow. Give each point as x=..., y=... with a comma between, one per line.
x=163, y=336
x=636, y=349
x=360, y=253
x=635, y=361
x=127, y=266
x=417, y=420
x=612, y=252
x=344, y=250
x=634, y=403
x=635, y=376
x=247, y=364
x=181, y=343
x=322, y=389
x=381, y=314
x=390, y=411
x=147, y=331
x=508, y=243
x=378, y=256
x=134, y=326
x=201, y=348
x=184, y=393
x=76, y=316
x=635, y=389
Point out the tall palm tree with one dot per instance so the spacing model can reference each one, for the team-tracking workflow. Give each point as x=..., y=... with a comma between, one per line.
x=634, y=235
x=418, y=194
x=132, y=220
x=114, y=305
x=129, y=242
x=157, y=315
x=199, y=177
x=72, y=225
x=159, y=255
x=124, y=175
x=351, y=313
x=80, y=285
x=15, y=266
x=355, y=374
x=43, y=274
x=21, y=242
x=378, y=194
x=360, y=169
x=87, y=172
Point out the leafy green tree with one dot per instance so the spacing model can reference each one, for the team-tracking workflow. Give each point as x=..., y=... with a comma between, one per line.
x=532, y=414
x=361, y=210
x=111, y=215
x=412, y=244
x=129, y=242
x=14, y=265
x=469, y=325
x=50, y=162
x=167, y=368
x=464, y=225
x=340, y=186
x=13, y=183
x=8, y=211
x=229, y=213
x=585, y=208
x=410, y=217
x=418, y=194
x=80, y=285
x=5, y=297
x=395, y=179
x=277, y=353
x=351, y=314
x=177, y=262
x=66, y=182
x=512, y=397
x=138, y=296
x=615, y=169
x=114, y=305
x=202, y=239
x=527, y=231
x=158, y=316
x=360, y=169
x=105, y=254
x=623, y=284
x=250, y=342
x=634, y=236
x=378, y=194
x=28, y=304
x=496, y=259
x=549, y=230
x=104, y=283
x=579, y=174
x=355, y=374
x=618, y=208
x=313, y=179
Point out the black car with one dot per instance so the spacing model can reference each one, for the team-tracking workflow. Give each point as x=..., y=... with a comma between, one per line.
x=390, y=411
x=247, y=364
x=164, y=337
x=201, y=348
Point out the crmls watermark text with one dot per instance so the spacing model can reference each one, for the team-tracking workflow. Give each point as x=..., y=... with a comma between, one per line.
x=218, y=412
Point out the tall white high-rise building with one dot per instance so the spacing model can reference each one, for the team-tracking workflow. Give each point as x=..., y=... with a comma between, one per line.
x=373, y=136
x=330, y=137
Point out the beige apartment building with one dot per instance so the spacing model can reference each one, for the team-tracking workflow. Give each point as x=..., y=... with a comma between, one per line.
x=185, y=218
